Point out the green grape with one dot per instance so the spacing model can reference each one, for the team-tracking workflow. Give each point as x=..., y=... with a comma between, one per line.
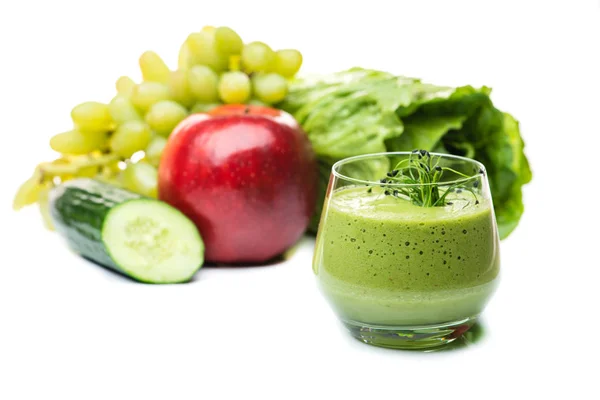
x=185, y=59
x=91, y=116
x=111, y=180
x=154, y=150
x=44, y=204
x=270, y=88
x=234, y=87
x=287, y=62
x=147, y=93
x=141, y=178
x=65, y=168
x=227, y=41
x=122, y=110
x=110, y=173
x=125, y=85
x=203, y=83
x=203, y=50
x=257, y=57
x=179, y=88
x=164, y=116
x=74, y=142
x=153, y=68
x=110, y=170
x=203, y=107
x=129, y=138
x=28, y=192
x=235, y=63
x=256, y=102
x=88, y=172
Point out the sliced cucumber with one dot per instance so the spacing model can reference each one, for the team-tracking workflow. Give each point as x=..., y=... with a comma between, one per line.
x=143, y=238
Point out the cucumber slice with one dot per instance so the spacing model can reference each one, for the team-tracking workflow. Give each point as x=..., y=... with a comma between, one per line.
x=143, y=238
x=152, y=241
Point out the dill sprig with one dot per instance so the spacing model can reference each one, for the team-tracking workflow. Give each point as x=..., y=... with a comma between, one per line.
x=422, y=171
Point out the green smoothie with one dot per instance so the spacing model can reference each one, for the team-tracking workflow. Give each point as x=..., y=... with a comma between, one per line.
x=382, y=260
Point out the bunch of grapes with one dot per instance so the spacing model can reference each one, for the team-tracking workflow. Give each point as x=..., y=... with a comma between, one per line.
x=121, y=142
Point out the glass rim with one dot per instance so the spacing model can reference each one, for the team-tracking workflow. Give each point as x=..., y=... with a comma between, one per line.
x=338, y=164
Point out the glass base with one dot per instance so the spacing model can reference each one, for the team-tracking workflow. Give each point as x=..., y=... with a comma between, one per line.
x=410, y=337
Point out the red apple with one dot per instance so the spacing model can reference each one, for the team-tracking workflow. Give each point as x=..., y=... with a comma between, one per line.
x=246, y=176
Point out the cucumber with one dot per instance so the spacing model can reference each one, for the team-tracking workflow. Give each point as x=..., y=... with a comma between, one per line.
x=140, y=237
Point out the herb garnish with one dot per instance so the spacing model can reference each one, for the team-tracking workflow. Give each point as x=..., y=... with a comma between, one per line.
x=422, y=170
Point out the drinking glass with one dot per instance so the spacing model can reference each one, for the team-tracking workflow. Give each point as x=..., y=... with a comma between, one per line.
x=407, y=251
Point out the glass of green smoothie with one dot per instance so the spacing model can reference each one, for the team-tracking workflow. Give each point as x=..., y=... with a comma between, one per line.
x=407, y=251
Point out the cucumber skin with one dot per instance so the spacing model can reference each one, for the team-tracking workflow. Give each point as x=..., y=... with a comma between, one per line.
x=78, y=209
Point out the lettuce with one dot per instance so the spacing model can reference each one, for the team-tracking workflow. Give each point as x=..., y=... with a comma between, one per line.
x=361, y=111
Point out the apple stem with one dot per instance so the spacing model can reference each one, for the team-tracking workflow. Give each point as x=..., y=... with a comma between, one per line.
x=247, y=110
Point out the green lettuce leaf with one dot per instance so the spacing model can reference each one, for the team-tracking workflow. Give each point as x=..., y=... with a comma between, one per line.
x=423, y=132
x=365, y=111
x=351, y=113
x=508, y=171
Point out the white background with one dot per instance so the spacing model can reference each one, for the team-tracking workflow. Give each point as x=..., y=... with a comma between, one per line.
x=70, y=330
